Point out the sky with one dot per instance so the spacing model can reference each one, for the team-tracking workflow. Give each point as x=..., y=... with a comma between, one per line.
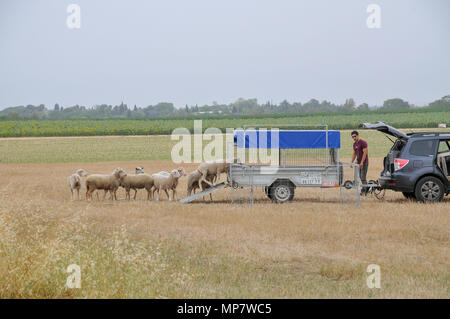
x=199, y=51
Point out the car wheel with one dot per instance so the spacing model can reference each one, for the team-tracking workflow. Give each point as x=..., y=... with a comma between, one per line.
x=281, y=192
x=429, y=189
x=409, y=195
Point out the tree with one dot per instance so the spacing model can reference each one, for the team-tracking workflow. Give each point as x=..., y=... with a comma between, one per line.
x=363, y=107
x=443, y=102
x=56, y=107
x=284, y=106
x=349, y=104
x=395, y=104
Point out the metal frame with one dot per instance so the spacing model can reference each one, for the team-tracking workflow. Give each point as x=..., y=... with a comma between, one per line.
x=286, y=169
x=293, y=125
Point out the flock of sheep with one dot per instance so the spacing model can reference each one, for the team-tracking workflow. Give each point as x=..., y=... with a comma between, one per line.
x=203, y=177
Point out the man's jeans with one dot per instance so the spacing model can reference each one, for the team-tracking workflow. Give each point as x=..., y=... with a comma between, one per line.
x=363, y=176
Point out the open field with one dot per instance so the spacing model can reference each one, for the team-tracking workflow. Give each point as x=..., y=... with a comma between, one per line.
x=92, y=127
x=312, y=247
x=138, y=148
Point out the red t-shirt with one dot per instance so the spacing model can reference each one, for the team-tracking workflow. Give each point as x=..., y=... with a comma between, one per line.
x=358, y=148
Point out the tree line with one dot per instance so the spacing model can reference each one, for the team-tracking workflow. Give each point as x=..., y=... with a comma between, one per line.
x=239, y=107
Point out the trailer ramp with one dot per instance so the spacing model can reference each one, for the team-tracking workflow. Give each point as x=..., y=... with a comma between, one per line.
x=204, y=193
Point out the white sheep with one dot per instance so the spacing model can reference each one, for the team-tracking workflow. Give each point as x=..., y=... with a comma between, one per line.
x=106, y=182
x=135, y=182
x=74, y=181
x=167, y=181
x=212, y=168
x=192, y=182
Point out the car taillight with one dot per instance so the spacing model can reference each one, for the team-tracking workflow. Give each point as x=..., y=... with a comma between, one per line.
x=399, y=163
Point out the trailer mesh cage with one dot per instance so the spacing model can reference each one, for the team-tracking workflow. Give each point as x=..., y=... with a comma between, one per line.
x=289, y=156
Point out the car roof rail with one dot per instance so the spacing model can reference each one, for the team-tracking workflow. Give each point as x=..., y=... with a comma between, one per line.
x=429, y=134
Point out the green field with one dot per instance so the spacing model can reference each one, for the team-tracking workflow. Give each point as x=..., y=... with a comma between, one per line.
x=136, y=148
x=90, y=127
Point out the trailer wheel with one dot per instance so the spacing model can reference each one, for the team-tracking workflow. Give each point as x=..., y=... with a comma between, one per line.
x=281, y=191
x=348, y=184
x=267, y=191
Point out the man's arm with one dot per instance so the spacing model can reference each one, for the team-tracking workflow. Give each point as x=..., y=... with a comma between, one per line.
x=353, y=156
x=363, y=156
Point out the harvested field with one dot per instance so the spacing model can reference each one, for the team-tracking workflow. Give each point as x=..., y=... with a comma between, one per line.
x=311, y=247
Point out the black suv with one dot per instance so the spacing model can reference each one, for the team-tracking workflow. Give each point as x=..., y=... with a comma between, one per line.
x=418, y=164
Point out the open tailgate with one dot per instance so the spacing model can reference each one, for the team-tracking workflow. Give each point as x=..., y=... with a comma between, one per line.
x=383, y=127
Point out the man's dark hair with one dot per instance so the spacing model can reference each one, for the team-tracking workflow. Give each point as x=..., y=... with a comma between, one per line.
x=355, y=133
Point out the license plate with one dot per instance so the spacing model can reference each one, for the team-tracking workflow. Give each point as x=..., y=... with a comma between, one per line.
x=311, y=180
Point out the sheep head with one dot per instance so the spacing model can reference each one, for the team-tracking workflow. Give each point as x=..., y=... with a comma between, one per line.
x=182, y=171
x=119, y=173
x=139, y=170
x=81, y=172
x=175, y=173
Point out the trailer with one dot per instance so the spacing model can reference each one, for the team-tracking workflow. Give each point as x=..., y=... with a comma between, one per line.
x=298, y=158
x=294, y=168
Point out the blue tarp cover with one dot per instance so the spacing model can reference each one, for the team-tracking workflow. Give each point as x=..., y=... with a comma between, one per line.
x=287, y=139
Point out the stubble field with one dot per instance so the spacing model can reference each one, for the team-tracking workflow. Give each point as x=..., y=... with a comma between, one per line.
x=312, y=247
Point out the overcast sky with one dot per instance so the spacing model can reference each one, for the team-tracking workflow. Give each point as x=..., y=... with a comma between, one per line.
x=200, y=51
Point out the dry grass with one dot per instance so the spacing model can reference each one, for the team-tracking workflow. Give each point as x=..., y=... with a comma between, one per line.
x=313, y=247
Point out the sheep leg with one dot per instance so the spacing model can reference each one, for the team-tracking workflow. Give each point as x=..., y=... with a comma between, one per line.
x=216, y=178
x=201, y=180
x=71, y=194
x=167, y=193
x=151, y=193
x=89, y=192
x=78, y=193
x=159, y=193
x=135, y=192
x=204, y=179
x=174, y=194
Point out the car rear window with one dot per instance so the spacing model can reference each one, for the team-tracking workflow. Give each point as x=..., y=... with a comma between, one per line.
x=422, y=148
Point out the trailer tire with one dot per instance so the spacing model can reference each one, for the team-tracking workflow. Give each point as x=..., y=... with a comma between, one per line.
x=267, y=191
x=281, y=191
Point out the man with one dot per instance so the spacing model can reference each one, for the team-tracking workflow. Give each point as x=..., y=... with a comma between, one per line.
x=360, y=152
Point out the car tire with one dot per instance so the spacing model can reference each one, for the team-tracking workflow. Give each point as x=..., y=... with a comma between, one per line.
x=409, y=195
x=281, y=192
x=429, y=189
